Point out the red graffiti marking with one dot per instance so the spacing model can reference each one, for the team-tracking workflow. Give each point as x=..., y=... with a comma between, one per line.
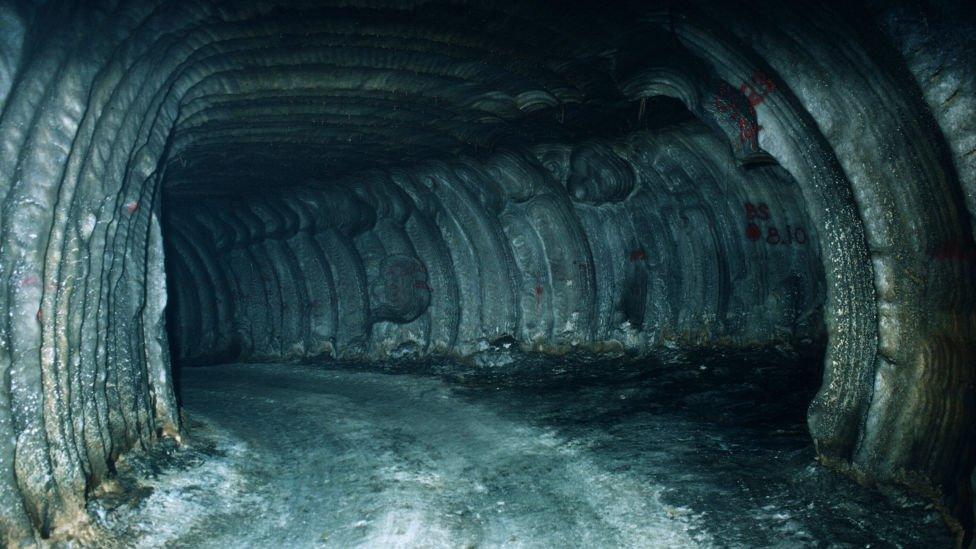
x=30, y=280
x=760, y=212
x=402, y=280
x=757, y=88
x=799, y=235
x=638, y=255
x=753, y=97
x=754, y=211
x=537, y=291
x=755, y=91
x=792, y=235
x=538, y=298
x=131, y=207
x=753, y=232
x=748, y=130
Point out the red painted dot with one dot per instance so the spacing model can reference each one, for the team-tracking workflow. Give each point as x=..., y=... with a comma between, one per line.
x=752, y=232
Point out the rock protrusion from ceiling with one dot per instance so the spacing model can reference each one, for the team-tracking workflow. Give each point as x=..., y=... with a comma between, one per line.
x=673, y=248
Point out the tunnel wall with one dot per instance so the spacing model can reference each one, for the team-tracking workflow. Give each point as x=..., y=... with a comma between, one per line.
x=919, y=368
x=656, y=243
x=101, y=101
x=937, y=45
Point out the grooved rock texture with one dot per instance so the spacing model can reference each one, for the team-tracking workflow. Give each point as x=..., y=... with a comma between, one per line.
x=401, y=179
x=938, y=46
x=653, y=243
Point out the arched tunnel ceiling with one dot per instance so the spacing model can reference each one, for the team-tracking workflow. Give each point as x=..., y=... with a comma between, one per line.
x=284, y=94
x=118, y=114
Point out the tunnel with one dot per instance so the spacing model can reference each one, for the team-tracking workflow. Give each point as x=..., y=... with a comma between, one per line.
x=495, y=273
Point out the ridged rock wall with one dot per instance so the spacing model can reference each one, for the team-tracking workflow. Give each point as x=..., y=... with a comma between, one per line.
x=657, y=242
x=109, y=106
x=938, y=47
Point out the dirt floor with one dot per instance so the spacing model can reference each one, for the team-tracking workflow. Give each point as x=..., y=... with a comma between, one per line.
x=303, y=456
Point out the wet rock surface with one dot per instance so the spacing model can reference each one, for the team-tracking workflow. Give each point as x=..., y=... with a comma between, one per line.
x=713, y=454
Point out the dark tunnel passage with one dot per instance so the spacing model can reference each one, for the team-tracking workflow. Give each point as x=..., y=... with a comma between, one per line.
x=653, y=241
x=487, y=274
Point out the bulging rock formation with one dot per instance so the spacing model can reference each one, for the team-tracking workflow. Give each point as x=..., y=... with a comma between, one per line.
x=199, y=182
x=651, y=242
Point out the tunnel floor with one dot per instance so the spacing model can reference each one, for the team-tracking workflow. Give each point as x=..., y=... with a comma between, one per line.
x=701, y=455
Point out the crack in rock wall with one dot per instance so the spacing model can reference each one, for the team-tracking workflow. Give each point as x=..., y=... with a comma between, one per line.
x=360, y=148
